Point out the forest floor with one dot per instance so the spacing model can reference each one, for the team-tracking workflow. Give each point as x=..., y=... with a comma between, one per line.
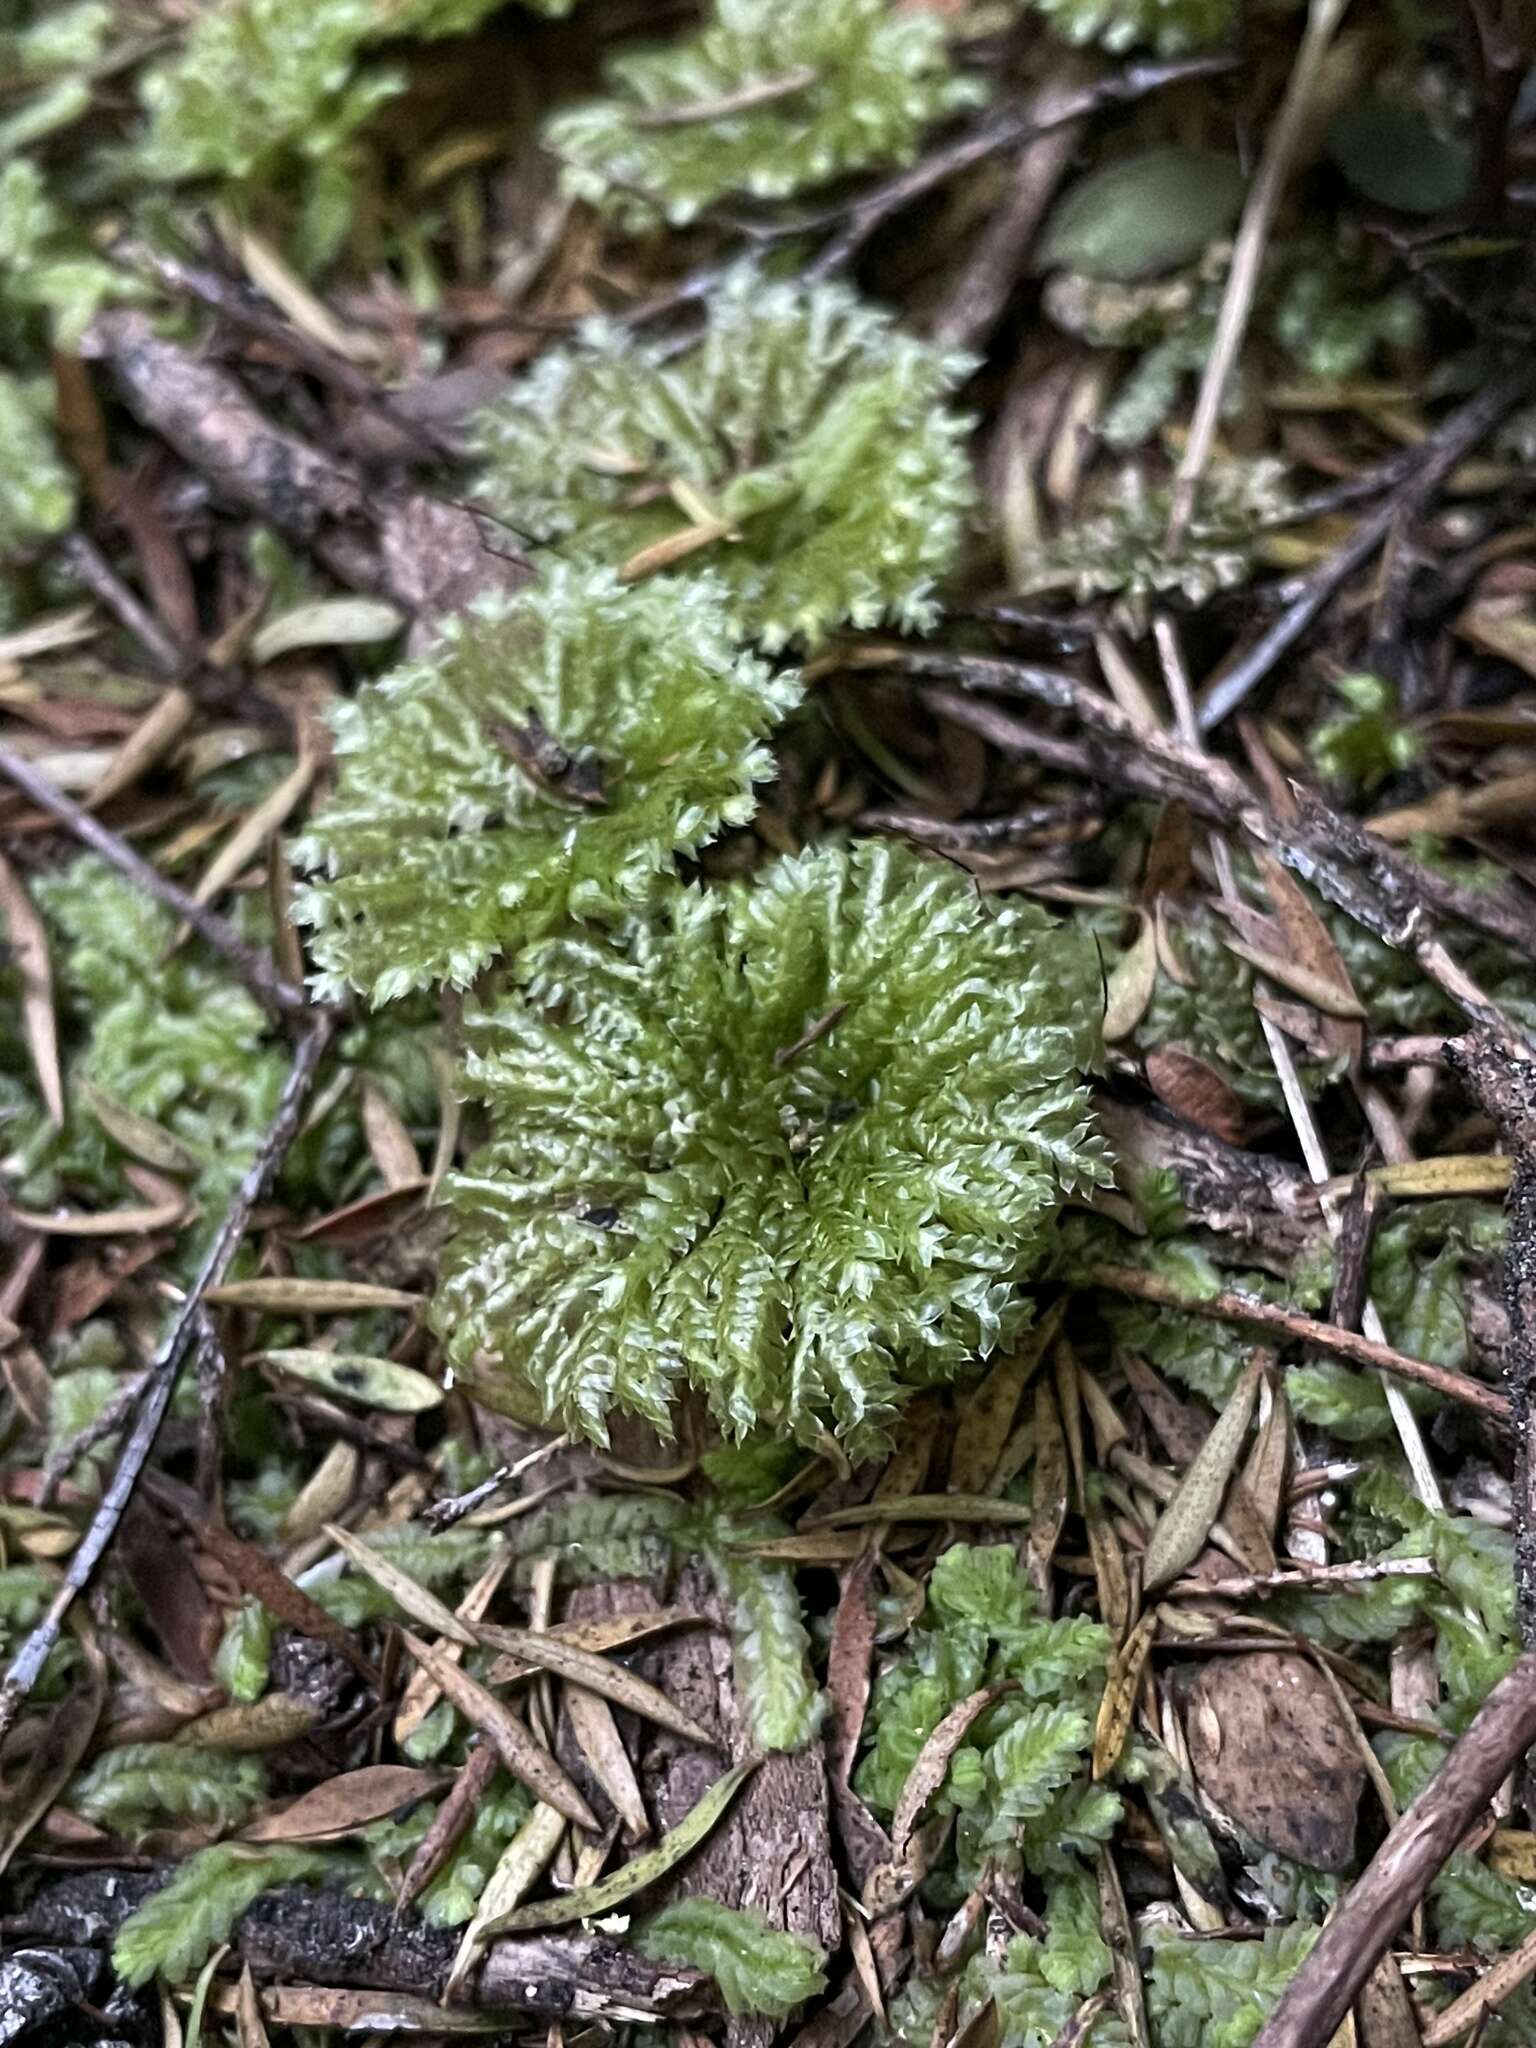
x=343, y=1699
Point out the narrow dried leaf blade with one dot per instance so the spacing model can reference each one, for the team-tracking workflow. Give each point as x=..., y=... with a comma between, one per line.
x=527, y=1759
x=344, y=1804
x=1183, y=1528
x=583, y=1667
x=598, y=1739
x=1117, y=1707
x=29, y=949
x=640, y=1871
x=287, y=1294
x=407, y=1593
x=932, y=1761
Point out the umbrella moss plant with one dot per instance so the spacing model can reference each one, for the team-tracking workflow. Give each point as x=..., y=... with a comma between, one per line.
x=543, y=762
x=802, y=448
x=792, y=1142
x=769, y=98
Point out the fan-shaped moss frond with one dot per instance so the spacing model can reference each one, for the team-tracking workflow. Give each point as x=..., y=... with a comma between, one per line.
x=771, y=97
x=1167, y=26
x=793, y=1144
x=546, y=760
x=1118, y=545
x=809, y=430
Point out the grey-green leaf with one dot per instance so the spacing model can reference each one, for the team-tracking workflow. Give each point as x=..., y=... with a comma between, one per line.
x=1143, y=215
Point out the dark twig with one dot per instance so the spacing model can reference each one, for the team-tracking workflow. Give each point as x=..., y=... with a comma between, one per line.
x=1504, y=1087
x=160, y=1381
x=1231, y=1306
x=58, y=1463
x=1438, y=454
x=983, y=835
x=1379, y=1902
x=84, y=559
x=1388, y=895
x=255, y=968
x=245, y=308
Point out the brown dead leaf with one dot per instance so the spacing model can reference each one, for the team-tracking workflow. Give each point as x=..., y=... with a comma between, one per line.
x=932, y=1761
x=567, y=1659
x=525, y=1757
x=450, y=1823
x=848, y=1662
x=1272, y=1749
x=267, y=1723
x=986, y=1415
x=29, y=950
x=602, y=1747
x=1049, y=1492
x=391, y=1144
x=1117, y=1707
x=344, y=1804
x=1184, y=1083
x=1131, y=982
x=260, y=1577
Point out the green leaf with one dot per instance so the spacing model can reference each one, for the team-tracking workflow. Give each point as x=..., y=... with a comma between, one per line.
x=1392, y=156
x=794, y=1144
x=175, y=1930
x=816, y=431
x=1142, y=215
x=838, y=89
x=443, y=845
x=760, y=1970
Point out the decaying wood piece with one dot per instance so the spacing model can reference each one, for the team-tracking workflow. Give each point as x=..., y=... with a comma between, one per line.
x=773, y=1852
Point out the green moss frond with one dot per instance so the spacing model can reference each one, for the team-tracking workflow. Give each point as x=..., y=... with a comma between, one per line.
x=759, y=1968
x=545, y=761
x=1118, y=548
x=1168, y=26
x=789, y=94
x=814, y=432
x=794, y=1144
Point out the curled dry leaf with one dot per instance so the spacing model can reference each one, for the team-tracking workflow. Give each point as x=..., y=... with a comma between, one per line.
x=263, y=1724
x=344, y=1804
x=1272, y=1748
x=29, y=948
x=932, y=1762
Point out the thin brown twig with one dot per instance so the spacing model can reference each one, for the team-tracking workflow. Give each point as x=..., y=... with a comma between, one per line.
x=1378, y=1903
x=1390, y=896
x=82, y=558
x=160, y=1380
x=255, y=968
x=1504, y=1087
x=1439, y=453
x=1232, y=1306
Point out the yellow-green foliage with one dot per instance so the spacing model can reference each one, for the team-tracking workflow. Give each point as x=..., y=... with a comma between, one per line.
x=794, y=1143
x=861, y=81
x=802, y=419
x=447, y=842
